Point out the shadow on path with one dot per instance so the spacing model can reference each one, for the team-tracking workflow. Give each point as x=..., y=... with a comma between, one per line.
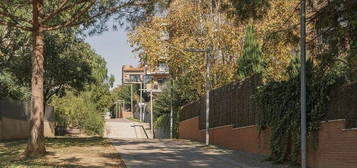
x=143, y=153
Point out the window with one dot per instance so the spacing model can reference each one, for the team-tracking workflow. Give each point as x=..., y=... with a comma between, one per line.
x=134, y=78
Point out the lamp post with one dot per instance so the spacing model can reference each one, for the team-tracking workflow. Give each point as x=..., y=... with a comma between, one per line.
x=152, y=115
x=140, y=102
x=207, y=83
x=303, y=84
x=171, y=110
x=131, y=99
x=207, y=53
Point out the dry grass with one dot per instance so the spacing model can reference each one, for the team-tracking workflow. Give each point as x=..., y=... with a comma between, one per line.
x=63, y=152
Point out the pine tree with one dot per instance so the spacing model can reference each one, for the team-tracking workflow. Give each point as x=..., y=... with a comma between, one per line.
x=251, y=61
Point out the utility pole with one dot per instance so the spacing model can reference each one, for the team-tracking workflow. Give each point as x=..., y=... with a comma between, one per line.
x=151, y=115
x=141, y=95
x=303, y=84
x=171, y=110
x=208, y=66
x=131, y=99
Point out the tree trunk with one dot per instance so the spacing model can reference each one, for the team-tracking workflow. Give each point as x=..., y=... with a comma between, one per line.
x=36, y=143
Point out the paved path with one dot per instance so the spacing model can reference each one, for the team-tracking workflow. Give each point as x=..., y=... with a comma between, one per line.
x=123, y=128
x=154, y=153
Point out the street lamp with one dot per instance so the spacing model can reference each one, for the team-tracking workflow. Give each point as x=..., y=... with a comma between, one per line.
x=303, y=85
x=208, y=87
x=207, y=80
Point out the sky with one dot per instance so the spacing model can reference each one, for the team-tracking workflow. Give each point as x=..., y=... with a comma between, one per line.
x=114, y=47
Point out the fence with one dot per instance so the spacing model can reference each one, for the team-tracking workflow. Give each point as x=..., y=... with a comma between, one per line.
x=343, y=104
x=231, y=104
x=14, y=116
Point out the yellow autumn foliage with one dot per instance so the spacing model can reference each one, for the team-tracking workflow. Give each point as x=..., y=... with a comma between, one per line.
x=190, y=24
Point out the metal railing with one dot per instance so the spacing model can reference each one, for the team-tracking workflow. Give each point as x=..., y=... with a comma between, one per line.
x=141, y=126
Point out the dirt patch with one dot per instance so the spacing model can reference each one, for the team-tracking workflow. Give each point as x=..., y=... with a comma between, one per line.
x=64, y=152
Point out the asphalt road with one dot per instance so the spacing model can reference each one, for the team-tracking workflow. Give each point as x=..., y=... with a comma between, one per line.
x=155, y=153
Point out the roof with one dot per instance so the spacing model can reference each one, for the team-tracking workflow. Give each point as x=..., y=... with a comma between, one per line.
x=130, y=68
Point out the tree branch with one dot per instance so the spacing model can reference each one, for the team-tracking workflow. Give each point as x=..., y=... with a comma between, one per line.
x=71, y=21
x=60, y=9
x=14, y=18
x=74, y=21
x=49, y=94
x=11, y=24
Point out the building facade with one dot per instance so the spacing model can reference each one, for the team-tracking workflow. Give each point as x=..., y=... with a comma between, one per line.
x=152, y=78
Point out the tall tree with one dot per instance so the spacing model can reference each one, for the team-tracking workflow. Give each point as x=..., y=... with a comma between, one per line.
x=251, y=61
x=55, y=15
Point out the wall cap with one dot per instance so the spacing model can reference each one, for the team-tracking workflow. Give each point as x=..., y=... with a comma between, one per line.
x=249, y=126
x=190, y=118
x=337, y=120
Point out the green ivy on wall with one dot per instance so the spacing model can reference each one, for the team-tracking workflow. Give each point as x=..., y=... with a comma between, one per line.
x=279, y=103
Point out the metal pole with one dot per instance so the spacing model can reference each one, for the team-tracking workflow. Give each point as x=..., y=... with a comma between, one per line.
x=141, y=95
x=131, y=99
x=207, y=94
x=171, y=111
x=151, y=115
x=116, y=110
x=303, y=85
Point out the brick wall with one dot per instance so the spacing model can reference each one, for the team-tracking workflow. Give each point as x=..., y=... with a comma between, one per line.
x=188, y=129
x=337, y=145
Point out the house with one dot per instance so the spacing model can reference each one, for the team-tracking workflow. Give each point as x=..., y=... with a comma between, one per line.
x=152, y=78
x=155, y=77
x=132, y=75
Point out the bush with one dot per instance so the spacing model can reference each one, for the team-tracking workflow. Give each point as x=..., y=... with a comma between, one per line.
x=79, y=112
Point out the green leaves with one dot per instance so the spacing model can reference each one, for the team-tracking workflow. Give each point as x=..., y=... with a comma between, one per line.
x=251, y=62
x=11, y=89
x=79, y=111
x=162, y=107
x=279, y=103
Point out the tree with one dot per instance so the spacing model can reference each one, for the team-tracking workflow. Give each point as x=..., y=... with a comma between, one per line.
x=49, y=16
x=123, y=92
x=251, y=62
x=68, y=64
x=162, y=107
x=85, y=108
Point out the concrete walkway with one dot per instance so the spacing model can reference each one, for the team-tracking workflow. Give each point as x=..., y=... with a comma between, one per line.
x=154, y=153
x=123, y=128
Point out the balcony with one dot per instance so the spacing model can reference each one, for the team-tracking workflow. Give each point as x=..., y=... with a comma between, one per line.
x=133, y=78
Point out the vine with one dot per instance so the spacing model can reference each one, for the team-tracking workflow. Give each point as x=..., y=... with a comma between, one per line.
x=279, y=102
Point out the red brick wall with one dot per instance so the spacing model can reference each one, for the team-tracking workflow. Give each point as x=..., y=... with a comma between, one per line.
x=188, y=129
x=337, y=146
x=244, y=139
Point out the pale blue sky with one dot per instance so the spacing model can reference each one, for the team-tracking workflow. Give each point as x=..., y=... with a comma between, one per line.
x=114, y=47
